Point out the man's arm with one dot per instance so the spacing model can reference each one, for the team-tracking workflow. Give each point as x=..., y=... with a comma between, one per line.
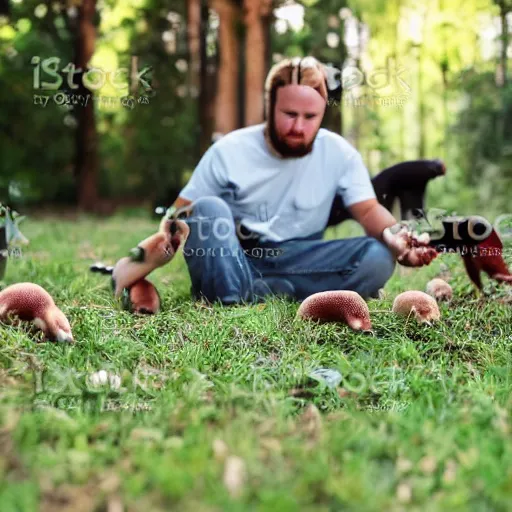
x=376, y=221
x=373, y=217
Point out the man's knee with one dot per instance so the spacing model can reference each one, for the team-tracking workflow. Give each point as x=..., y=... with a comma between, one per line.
x=380, y=260
x=211, y=223
x=211, y=206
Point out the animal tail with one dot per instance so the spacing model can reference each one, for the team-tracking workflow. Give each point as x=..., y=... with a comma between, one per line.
x=101, y=268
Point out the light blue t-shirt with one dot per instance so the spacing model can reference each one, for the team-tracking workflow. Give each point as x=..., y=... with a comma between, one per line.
x=280, y=198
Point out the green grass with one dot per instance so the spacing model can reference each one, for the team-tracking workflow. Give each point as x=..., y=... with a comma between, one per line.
x=420, y=421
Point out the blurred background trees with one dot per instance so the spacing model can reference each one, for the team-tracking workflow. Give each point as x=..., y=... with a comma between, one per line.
x=421, y=80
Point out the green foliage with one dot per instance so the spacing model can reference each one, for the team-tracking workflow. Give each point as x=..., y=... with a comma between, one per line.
x=485, y=139
x=35, y=144
x=311, y=39
x=147, y=150
x=143, y=150
x=152, y=145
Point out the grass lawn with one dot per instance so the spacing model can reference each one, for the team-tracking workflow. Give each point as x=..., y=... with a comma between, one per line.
x=216, y=410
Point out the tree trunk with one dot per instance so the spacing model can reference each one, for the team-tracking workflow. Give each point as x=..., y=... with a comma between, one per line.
x=4, y=8
x=86, y=164
x=194, y=43
x=226, y=108
x=504, y=42
x=206, y=86
x=195, y=34
x=255, y=58
x=267, y=34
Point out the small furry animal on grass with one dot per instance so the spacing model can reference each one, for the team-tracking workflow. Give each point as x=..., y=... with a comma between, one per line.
x=422, y=306
x=343, y=306
x=31, y=302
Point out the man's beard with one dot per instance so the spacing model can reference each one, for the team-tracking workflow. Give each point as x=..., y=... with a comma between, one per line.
x=286, y=150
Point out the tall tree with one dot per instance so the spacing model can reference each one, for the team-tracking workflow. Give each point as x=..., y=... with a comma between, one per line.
x=4, y=7
x=207, y=79
x=86, y=163
x=197, y=24
x=226, y=108
x=255, y=13
x=194, y=42
x=505, y=7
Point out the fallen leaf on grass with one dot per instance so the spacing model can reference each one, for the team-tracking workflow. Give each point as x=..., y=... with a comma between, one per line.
x=469, y=458
x=403, y=465
x=271, y=445
x=110, y=483
x=404, y=492
x=450, y=472
x=234, y=476
x=146, y=434
x=220, y=450
x=174, y=442
x=67, y=498
x=428, y=464
x=115, y=504
x=500, y=421
x=311, y=424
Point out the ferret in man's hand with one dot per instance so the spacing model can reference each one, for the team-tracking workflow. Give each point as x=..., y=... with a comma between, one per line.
x=29, y=301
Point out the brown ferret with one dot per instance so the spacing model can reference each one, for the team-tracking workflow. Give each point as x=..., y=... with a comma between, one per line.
x=488, y=259
x=29, y=301
x=141, y=298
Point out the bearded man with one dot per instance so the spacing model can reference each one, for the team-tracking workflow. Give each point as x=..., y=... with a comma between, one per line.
x=260, y=198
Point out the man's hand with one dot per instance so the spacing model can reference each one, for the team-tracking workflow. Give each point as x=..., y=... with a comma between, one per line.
x=409, y=248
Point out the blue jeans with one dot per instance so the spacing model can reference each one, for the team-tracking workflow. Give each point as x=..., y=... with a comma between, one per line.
x=221, y=270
